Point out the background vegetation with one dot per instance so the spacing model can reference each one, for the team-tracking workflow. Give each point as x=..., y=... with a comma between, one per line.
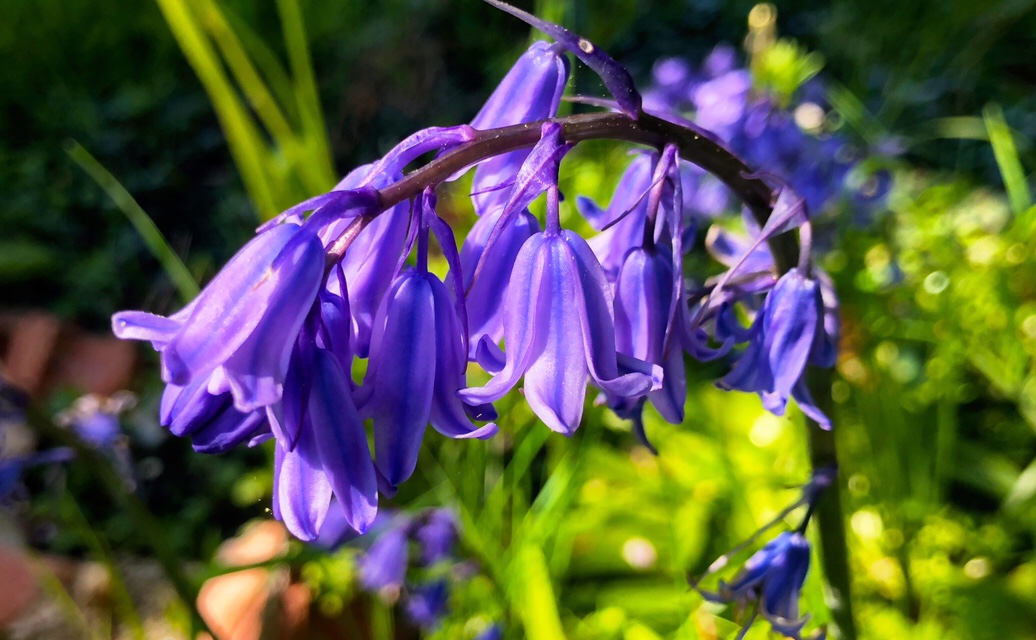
x=215, y=114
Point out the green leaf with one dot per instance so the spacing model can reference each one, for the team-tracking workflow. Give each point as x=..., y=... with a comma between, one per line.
x=533, y=597
x=1007, y=158
x=153, y=238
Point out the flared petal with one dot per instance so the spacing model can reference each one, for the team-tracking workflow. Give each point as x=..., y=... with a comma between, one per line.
x=669, y=401
x=302, y=492
x=140, y=325
x=342, y=442
x=448, y=416
x=186, y=409
x=808, y=406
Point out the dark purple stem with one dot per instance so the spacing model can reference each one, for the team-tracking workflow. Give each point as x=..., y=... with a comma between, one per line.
x=647, y=130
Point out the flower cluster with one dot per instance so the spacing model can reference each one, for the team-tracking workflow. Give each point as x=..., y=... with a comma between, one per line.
x=411, y=560
x=795, y=142
x=772, y=578
x=266, y=351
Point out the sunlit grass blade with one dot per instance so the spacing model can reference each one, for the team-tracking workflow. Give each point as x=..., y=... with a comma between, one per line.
x=307, y=97
x=153, y=238
x=246, y=144
x=302, y=171
x=246, y=75
x=533, y=596
x=853, y=111
x=1007, y=158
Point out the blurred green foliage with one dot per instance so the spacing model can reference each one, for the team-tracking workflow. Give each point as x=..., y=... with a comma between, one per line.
x=935, y=391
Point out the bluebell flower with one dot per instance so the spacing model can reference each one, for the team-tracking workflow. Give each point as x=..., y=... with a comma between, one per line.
x=427, y=603
x=649, y=298
x=721, y=99
x=485, y=293
x=330, y=458
x=614, y=76
x=797, y=325
x=643, y=324
x=12, y=467
x=530, y=91
x=369, y=264
x=436, y=535
x=558, y=314
x=244, y=323
x=622, y=223
x=95, y=418
x=417, y=362
x=782, y=336
x=383, y=568
x=773, y=577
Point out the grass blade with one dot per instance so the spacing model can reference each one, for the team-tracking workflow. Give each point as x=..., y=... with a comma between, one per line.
x=246, y=144
x=1007, y=158
x=153, y=238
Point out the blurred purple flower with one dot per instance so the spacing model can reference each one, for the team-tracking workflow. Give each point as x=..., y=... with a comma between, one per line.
x=427, y=603
x=773, y=577
x=383, y=567
x=436, y=536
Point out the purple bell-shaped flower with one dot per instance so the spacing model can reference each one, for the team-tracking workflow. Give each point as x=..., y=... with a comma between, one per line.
x=782, y=337
x=530, y=91
x=773, y=576
x=244, y=323
x=330, y=456
x=417, y=361
x=558, y=314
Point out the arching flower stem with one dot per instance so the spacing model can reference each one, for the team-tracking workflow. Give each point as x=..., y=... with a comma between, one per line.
x=759, y=197
x=646, y=130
